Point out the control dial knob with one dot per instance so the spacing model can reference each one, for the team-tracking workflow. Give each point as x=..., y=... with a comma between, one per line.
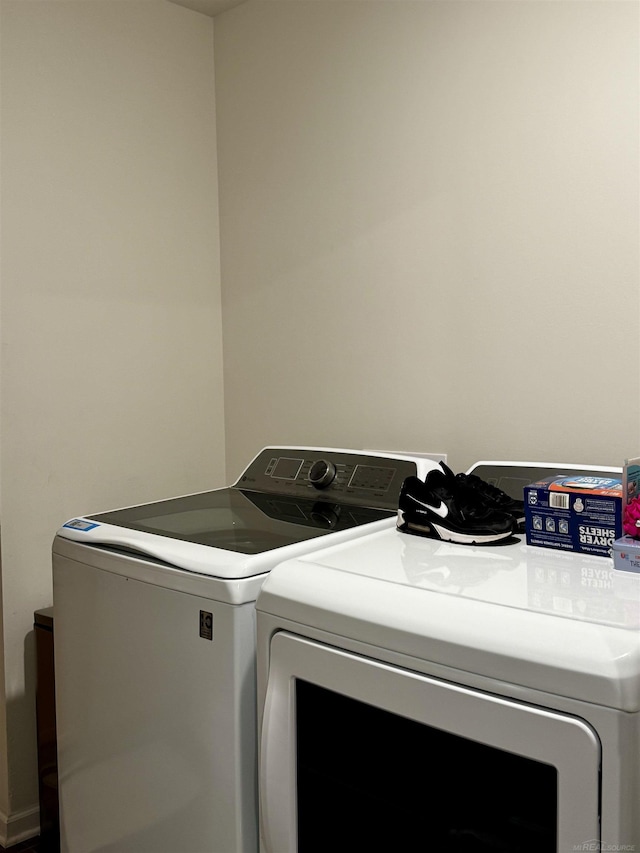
x=322, y=473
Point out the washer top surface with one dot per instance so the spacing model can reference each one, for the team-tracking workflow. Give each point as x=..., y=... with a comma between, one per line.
x=284, y=503
x=561, y=622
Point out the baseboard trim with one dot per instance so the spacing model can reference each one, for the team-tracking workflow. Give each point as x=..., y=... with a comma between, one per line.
x=19, y=827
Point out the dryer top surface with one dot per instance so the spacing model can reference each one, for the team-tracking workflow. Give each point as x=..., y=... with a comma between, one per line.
x=561, y=622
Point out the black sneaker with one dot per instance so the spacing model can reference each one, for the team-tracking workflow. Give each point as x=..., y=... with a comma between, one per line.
x=492, y=496
x=444, y=507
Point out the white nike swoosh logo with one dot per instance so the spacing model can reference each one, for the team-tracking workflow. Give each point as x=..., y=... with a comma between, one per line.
x=441, y=510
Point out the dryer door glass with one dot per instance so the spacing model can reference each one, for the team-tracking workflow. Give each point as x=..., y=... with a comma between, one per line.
x=392, y=783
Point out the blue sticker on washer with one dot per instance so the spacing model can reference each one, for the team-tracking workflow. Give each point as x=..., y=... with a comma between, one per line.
x=80, y=524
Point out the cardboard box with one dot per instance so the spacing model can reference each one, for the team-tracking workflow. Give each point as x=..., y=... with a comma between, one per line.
x=626, y=554
x=582, y=514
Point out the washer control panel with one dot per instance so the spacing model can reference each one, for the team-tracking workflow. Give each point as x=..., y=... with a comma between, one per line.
x=340, y=476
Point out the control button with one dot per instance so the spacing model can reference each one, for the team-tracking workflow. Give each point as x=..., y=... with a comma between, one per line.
x=322, y=473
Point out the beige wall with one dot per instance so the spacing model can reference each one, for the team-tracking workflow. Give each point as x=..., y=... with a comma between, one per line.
x=429, y=227
x=111, y=339
x=429, y=240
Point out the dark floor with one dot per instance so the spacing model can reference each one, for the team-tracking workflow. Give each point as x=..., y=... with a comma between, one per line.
x=33, y=845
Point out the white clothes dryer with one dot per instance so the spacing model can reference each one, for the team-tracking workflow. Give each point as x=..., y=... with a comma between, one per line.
x=154, y=610
x=422, y=695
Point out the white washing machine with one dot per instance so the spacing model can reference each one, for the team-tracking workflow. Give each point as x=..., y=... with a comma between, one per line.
x=154, y=611
x=421, y=695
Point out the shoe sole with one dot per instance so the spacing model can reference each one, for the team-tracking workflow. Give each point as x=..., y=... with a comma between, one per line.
x=437, y=531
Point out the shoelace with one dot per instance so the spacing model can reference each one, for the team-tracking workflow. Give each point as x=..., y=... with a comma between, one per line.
x=468, y=500
x=486, y=488
x=477, y=485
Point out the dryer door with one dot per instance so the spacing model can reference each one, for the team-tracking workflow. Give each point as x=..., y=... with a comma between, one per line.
x=357, y=754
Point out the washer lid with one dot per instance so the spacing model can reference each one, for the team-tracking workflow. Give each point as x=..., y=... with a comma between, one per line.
x=238, y=520
x=224, y=533
x=559, y=622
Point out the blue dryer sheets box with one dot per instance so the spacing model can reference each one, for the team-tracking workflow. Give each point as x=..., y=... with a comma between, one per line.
x=581, y=514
